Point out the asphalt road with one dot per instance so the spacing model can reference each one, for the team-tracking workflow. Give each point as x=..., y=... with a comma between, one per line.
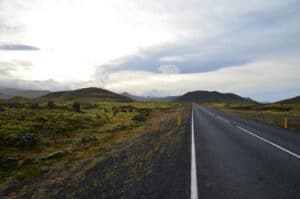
x=238, y=158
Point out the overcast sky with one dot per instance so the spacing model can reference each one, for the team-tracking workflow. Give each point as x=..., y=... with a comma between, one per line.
x=161, y=47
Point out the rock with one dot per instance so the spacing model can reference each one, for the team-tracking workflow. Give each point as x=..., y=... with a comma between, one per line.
x=51, y=105
x=30, y=161
x=25, y=141
x=88, y=138
x=76, y=107
x=9, y=163
x=2, y=109
x=34, y=106
x=57, y=154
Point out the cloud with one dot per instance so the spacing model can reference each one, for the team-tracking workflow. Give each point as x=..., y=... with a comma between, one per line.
x=264, y=80
x=17, y=47
x=28, y=84
x=250, y=33
x=172, y=59
x=8, y=68
x=139, y=46
x=169, y=69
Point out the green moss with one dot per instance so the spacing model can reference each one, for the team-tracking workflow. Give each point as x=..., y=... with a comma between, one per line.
x=30, y=172
x=61, y=128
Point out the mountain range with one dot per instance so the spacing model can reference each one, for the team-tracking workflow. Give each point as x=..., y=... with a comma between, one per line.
x=149, y=98
x=6, y=93
x=293, y=100
x=210, y=96
x=99, y=93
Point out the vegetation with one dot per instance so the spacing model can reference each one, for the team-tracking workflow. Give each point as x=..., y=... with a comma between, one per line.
x=51, y=105
x=37, y=135
x=76, y=107
x=274, y=114
x=92, y=92
x=211, y=97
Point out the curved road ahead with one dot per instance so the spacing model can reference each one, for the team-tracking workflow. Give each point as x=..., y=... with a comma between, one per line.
x=238, y=158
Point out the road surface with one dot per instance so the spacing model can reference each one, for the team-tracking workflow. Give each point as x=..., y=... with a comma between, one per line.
x=238, y=158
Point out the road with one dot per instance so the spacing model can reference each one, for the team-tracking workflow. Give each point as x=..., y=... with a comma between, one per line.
x=238, y=158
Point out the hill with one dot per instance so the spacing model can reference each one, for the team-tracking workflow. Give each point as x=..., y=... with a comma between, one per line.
x=210, y=96
x=148, y=98
x=91, y=92
x=6, y=93
x=3, y=96
x=294, y=100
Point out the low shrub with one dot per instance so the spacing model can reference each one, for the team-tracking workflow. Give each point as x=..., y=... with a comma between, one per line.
x=51, y=105
x=76, y=107
x=142, y=115
x=34, y=106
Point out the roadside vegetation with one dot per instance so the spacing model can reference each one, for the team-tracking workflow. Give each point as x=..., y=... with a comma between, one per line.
x=274, y=114
x=39, y=136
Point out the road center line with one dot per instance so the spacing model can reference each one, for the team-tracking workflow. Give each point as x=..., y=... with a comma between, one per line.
x=269, y=142
x=194, y=186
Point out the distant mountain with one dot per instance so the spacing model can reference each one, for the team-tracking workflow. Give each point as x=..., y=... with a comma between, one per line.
x=148, y=98
x=91, y=92
x=3, y=96
x=210, y=96
x=294, y=100
x=6, y=93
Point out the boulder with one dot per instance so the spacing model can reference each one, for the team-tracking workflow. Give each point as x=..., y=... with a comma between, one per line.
x=2, y=109
x=25, y=141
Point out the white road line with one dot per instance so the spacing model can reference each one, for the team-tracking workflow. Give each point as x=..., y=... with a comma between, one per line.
x=194, y=186
x=269, y=142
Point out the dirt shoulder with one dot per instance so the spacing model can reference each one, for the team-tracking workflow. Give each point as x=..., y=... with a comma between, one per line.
x=153, y=162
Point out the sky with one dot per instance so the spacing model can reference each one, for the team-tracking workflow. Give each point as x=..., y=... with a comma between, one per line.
x=153, y=48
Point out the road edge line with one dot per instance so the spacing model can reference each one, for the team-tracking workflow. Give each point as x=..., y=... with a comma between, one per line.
x=269, y=142
x=194, y=186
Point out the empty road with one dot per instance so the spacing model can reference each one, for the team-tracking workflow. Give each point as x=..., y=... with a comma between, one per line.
x=238, y=158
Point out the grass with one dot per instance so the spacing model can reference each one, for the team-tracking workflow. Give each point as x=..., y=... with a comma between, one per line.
x=130, y=158
x=274, y=114
x=35, y=138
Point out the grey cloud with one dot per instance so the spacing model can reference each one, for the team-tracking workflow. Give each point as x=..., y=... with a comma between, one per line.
x=14, y=47
x=6, y=68
x=23, y=63
x=252, y=36
x=10, y=29
x=49, y=84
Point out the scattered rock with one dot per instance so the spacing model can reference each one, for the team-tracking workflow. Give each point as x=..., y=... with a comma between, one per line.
x=51, y=105
x=34, y=106
x=25, y=141
x=88, y=138
x=142, y=115
x=76, y=107
x=2, y=109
